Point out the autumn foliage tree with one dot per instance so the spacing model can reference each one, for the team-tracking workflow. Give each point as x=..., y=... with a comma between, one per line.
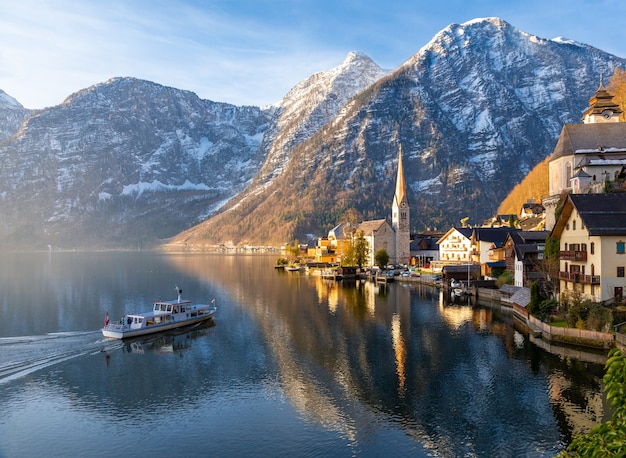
x=617, y=87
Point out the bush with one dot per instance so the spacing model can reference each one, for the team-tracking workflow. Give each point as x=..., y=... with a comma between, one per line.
x=608, y=439
x=506, y=278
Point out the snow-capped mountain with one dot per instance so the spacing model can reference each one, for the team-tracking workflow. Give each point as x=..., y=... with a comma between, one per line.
x=473, y=110
x=310, y=105
x=124, y=163
x=128, y=162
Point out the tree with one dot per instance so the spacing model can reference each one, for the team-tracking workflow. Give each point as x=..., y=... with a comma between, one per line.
x=617, y=86
x=361, y=249
x=607, y=439
x=293, y=250
x=382, y=258
x=357, y=252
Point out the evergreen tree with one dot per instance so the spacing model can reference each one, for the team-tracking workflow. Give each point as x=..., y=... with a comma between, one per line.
x=382, y=258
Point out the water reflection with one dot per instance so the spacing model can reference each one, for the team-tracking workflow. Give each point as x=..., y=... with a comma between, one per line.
x=452, y=373
x=348, y=366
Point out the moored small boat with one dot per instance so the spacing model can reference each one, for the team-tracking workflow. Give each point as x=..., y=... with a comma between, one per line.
x=163, y=316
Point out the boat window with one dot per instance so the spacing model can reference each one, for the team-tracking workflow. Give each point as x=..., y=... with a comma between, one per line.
x=175, y=309
x=169, y=307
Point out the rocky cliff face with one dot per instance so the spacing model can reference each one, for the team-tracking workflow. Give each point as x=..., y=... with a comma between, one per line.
x=12, y=114
x=129, y=162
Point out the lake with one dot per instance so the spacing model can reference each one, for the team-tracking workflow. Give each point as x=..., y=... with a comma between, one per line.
x=291, y=365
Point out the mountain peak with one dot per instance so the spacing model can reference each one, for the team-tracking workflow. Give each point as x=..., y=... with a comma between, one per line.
x=6, y=101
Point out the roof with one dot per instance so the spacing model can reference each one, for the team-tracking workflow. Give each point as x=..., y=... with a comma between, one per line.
x=400, y=185
x=495, y=235
x=527, y=242
x=602, y=100
x=602, y=214
x=589, y=136
x=509, y=289
x=521, y=297
x=464, y=231
x=371, y=226
x=424, y=243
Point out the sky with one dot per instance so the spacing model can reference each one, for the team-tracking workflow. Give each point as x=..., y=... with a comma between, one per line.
x=251, y=52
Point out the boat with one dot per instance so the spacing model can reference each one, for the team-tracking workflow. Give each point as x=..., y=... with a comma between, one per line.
x=457, y=287
x=164, y=315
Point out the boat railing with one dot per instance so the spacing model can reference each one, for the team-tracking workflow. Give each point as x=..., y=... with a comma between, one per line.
x=116, y=327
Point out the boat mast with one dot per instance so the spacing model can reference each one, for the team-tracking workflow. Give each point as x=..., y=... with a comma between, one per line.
x=178, y=291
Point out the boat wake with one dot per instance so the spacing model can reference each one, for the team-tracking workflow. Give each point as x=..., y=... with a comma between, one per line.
x=24, y=355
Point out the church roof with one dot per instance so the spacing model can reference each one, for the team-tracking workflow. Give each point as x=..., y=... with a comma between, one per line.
x=601, y=100
x=370, y=226
x=400, y=185
x=575, y=137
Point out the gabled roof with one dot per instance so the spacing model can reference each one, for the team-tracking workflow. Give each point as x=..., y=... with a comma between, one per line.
x=602, y=214
x=371, y=226
x=495, y=235
x=589, y=137
x=424, y=243
x=464, y=231
x=527, y=242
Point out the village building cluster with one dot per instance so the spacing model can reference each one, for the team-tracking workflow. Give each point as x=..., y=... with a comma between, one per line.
x=585, y=211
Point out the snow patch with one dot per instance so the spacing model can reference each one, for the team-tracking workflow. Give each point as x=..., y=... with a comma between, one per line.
x=426, y=186
x=156, y=186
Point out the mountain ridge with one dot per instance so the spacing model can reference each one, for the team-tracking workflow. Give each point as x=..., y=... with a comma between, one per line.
x=474, y=110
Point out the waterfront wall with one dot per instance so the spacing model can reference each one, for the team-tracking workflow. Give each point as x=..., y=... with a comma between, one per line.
x=571, y=335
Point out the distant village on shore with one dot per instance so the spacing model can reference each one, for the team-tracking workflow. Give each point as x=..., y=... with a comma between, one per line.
x=571, y=246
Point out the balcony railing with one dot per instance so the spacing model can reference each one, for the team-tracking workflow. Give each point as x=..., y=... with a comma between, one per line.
x=573, y=255
x=580, y=278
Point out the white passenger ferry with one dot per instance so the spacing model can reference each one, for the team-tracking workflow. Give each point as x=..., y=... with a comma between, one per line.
x=163, y=316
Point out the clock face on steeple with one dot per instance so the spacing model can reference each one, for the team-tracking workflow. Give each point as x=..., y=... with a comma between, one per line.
x=607, y=114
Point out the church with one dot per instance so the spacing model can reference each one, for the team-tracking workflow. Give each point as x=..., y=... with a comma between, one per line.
x=588, y=154
x=379, y=234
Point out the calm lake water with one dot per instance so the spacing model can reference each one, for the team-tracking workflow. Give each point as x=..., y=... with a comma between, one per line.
x=291, y=366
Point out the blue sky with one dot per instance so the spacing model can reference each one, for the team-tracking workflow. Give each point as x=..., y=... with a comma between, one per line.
x=250, y=52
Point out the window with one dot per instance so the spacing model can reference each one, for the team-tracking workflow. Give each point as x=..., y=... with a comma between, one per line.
x=574, y=225
x=620, y=271
x=620, y=247
x=592, y=247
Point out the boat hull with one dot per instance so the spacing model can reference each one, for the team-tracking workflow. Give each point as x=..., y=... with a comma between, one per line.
x=118, y=331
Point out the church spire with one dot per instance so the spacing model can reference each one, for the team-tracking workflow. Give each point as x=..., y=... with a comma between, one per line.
x=400, y=185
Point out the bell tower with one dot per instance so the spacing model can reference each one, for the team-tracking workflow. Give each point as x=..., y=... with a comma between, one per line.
x=400, y=217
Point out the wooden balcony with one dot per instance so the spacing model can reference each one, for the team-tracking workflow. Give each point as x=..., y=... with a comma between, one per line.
x=580, y=278
x=577, y=256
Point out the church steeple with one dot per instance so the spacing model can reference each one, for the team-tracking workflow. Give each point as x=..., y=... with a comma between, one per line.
x=400, y=194
x=601, y=107
x=400, y=216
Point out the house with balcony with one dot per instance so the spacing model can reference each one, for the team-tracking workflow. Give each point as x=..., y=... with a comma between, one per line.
x=487, y=247
x=524, y=252
x=455, y=246
x=592, y=233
